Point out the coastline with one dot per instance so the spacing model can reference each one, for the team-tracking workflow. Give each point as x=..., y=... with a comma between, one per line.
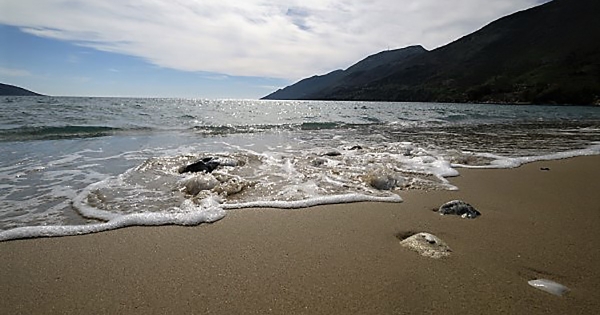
x=340, y=259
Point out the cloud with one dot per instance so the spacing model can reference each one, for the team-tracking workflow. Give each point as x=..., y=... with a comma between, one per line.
x=215, y=77
x=10, y=72
x=279, y=39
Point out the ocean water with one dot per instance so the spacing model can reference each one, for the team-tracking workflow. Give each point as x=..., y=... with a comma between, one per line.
x=80, y=165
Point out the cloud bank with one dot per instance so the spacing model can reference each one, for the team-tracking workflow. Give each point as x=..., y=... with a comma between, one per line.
x=279, y=39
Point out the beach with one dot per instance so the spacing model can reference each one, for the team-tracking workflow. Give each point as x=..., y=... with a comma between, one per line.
x=539, y=220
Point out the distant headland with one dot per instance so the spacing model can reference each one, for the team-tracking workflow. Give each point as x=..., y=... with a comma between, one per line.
x=549, y=54
x=11, y=90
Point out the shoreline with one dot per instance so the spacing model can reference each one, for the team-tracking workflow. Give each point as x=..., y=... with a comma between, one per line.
x=342, y=258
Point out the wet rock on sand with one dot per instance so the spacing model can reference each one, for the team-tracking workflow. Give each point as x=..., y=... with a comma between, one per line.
x=427, y=245
x=459, y=207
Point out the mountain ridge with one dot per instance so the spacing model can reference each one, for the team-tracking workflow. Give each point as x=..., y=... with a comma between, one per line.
x=548, y=54
x=13, y=90
x=315, y=84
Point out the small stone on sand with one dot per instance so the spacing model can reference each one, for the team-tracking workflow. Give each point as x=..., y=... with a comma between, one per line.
x=460, y=208
x=427, y=245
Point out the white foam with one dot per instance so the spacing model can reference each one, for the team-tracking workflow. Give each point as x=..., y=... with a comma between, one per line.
x=189, y=214
x=314, y=201
x=513, y=162
x=431, y=165
x=149, y=193
x=80, y=202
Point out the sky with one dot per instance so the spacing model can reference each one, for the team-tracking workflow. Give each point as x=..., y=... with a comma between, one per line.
x=215, y=48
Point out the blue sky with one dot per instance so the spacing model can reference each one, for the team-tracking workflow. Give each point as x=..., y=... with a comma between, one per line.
x=214, y=49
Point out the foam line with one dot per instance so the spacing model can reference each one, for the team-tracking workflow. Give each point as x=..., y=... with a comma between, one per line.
x=80, y=204
x=322, y=200
x=137, y=219
x=508, y=162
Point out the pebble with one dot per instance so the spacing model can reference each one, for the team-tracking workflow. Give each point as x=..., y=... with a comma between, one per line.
x=427, y=245
x=460, y=208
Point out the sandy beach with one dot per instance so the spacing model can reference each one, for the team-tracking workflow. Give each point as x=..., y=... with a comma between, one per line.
x=338, y=259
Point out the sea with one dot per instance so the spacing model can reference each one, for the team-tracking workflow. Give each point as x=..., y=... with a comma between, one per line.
x=77, y=165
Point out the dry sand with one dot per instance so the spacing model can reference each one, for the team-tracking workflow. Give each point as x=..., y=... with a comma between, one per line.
x=340, y=259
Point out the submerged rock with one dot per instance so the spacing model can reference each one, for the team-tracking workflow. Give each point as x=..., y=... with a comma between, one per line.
x=427, y=245
x=206, y=165
x=318, y=162
x=549, y=286
x=459, y=207
x=197, y=183
x=331, y=153
x=384, y=179
x=230, y=185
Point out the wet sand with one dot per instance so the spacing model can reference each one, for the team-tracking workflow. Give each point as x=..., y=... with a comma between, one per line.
x=338, y=259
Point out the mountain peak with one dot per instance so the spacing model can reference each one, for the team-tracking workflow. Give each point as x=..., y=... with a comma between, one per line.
x=549, y=54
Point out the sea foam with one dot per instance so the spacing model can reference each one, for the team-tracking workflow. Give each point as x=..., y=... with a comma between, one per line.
x=190, y=215
x=315, y=201
x=498, y=161
x=272, y=154
x=153, y=193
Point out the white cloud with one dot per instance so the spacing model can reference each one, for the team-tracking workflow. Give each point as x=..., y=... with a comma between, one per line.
x=10, y=72
x=281, y=39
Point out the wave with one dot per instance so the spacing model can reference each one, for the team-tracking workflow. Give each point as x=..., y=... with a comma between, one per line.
x=241, y=129
x=320, y=125
x=60, y=132
x=82, y=131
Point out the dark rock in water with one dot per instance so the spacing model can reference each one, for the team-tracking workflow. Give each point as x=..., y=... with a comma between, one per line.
x=206, y=165
x=332, y=153
x=460, y=208
x=319, y=162
x=544, y=168
x=355, y=147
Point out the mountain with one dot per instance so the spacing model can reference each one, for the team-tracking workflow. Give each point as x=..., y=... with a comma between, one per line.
x=549, y=54
x=11, y=90
x=306, y=87
x=363, y=71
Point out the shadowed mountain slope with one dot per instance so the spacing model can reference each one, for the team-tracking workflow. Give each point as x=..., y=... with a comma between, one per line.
x=366, y=70
x=11, y=90
x=547, y=54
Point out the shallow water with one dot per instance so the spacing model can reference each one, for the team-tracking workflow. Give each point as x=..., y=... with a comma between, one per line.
x=90, y=164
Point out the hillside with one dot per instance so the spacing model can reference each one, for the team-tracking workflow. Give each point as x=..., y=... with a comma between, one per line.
x=11, y=90
x=548, y=54
x=372, y=67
